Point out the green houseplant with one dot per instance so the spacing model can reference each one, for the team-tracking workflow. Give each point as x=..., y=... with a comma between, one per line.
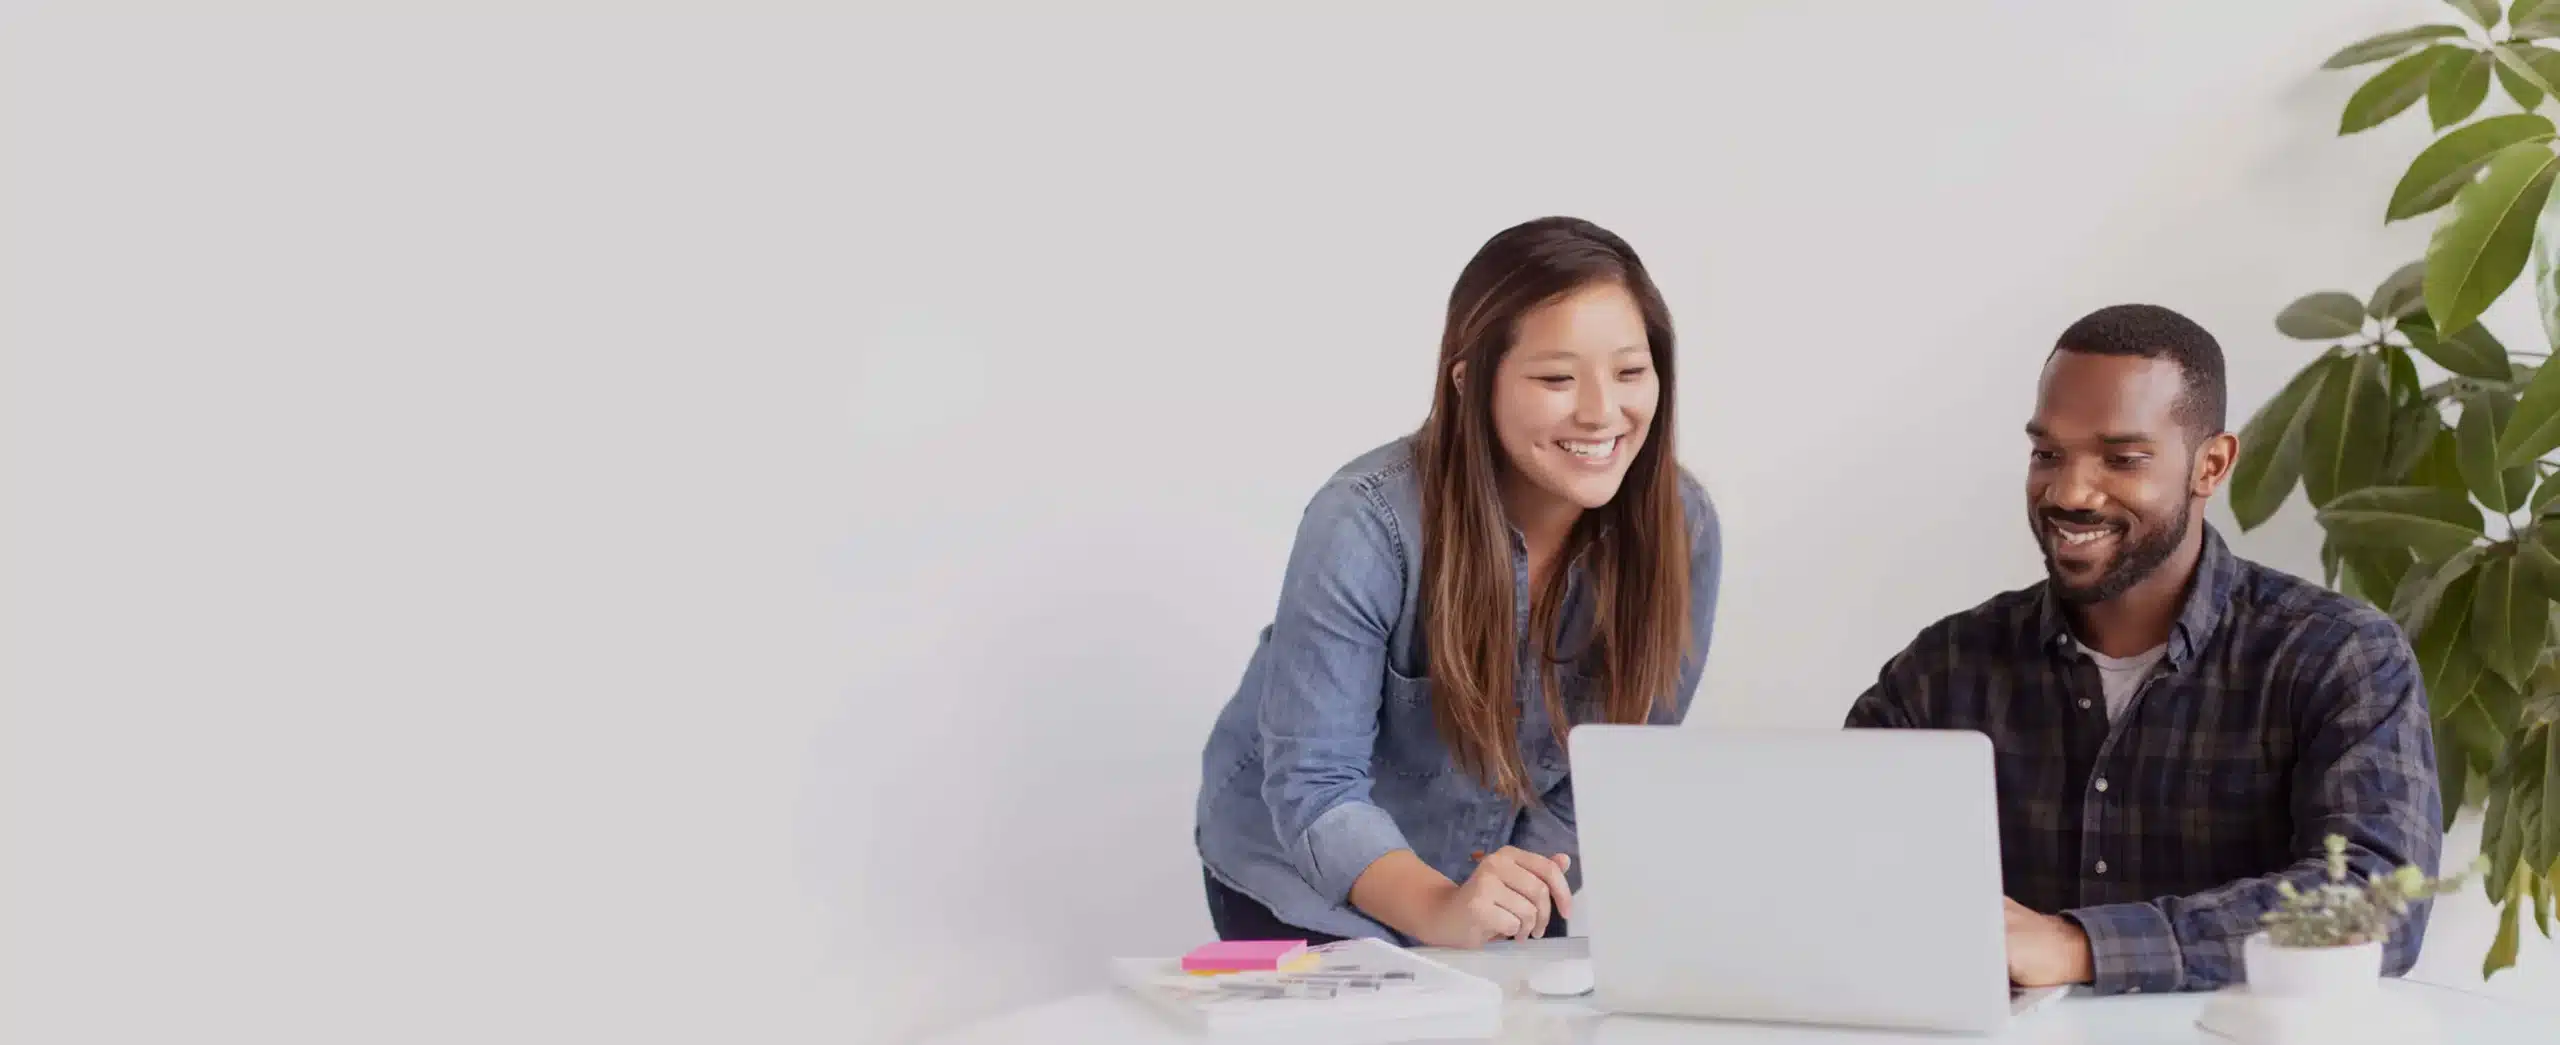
x=2439, y=499
x=2328, y=940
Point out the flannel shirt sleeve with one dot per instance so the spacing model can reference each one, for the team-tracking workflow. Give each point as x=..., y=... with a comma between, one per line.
x=2364, y=769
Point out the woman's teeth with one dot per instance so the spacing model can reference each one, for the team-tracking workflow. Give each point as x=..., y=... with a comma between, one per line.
x=1595, y=451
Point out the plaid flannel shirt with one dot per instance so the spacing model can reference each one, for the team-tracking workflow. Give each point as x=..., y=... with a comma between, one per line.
x=2280, y=713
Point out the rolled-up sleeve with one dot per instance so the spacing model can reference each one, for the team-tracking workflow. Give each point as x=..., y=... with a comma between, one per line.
x=1319, y=713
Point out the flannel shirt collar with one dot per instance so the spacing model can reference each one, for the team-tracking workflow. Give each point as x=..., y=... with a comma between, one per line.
x=2217, y=574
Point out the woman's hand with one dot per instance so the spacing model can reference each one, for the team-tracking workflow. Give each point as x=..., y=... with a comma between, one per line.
x=1513, y=894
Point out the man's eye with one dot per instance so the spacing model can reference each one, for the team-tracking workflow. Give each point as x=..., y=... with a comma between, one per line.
x=2128, y=460
x=2044, y=456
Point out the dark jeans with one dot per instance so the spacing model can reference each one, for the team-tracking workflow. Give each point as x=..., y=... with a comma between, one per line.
x=1240, y=917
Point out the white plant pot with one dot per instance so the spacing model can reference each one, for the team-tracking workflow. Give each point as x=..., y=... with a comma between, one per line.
x=2310, y=972
x=2315, y=996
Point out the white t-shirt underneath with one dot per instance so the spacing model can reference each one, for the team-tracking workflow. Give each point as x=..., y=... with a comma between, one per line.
x=2119, y=677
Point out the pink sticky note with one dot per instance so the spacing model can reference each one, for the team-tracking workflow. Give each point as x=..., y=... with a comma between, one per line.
x=1243, y=955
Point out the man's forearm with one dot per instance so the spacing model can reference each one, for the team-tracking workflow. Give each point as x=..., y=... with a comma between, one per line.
x=2193, y=942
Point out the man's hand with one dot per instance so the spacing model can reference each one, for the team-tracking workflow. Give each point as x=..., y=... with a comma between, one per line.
x=2045, y=950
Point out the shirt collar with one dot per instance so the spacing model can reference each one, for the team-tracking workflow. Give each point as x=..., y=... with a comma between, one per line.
x=2217, y=573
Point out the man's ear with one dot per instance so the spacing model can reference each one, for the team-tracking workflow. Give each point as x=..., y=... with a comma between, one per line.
x=2213, y=464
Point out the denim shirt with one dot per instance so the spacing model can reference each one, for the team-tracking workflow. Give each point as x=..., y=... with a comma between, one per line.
x=1327, y=756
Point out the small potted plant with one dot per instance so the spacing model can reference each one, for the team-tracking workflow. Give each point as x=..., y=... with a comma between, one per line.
x=2328, y=941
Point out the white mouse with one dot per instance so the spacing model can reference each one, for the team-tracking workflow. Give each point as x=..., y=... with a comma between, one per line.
x=1562, y=979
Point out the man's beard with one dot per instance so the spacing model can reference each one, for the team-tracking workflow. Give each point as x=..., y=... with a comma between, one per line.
x=2132, y=564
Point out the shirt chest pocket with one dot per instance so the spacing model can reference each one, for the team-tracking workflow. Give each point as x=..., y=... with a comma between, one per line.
x=1408, y=744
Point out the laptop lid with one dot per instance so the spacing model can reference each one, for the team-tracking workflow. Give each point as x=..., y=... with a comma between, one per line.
x=1844, y=877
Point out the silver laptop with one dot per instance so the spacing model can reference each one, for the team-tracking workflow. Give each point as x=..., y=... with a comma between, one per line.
x=1845, y=877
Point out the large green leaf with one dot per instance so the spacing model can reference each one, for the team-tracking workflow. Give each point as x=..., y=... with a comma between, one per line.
x=2453, y=771
x=2437, y=468
x=2542, y=890
x=2414, y=427
x=2508, y=620
x=2533, y=65
x=2401, y=375
x=2546, y=272
x=2427, y=520
x=2346, y=428
x=2536, y=560
x=2387, y=45
x=2442, y=169
x=2527, y=799
x=2378, y=572
x=2546, y=857
x=2475, y=732
x=2477, y=252
x=2271, y=451
x=2457, y=87
x=2497, y=827
x=2471, y=352
x=2526, y=20
x=2400, y=293
x=2398, y=86
x=2445, y=661
x=2534, y=428
x=2502, y=950
x=2499, y=704
x=2527, y=95
x=2427, y=585
x=2485, y=414
x=2485, y=12
x=2324, y=316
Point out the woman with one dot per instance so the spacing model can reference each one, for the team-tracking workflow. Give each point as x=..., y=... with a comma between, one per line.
x=1393, y=764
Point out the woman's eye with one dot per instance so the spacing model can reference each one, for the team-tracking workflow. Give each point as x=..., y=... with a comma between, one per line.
x=1555, y=380
x=1631, y=373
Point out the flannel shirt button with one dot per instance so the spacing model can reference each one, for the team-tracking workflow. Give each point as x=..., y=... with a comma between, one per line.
x=2102, y=783
x=2102, y=867
x=2084, y=703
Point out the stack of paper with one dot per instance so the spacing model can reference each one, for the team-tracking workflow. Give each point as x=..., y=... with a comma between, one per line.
x=1359, y=992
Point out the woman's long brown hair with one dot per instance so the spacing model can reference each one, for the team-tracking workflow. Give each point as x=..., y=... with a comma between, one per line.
x=1635, y=549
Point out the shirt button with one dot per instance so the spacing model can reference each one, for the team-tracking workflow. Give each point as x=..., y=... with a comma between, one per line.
x=2084, y=703
x=2102, y=783
x=2102, y=867
x=2133, y=990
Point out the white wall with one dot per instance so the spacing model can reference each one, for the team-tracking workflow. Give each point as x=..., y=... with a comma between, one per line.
x=679, y=526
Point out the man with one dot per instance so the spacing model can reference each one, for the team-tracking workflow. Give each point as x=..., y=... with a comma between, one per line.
x=2177, y=729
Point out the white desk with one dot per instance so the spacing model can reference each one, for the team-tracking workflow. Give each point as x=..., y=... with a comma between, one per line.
x=1112, y=1018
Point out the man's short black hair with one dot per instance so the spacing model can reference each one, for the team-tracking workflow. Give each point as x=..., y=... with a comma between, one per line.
x=2153, y=332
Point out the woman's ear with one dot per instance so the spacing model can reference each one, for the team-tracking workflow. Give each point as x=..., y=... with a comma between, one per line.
x=1458, y=377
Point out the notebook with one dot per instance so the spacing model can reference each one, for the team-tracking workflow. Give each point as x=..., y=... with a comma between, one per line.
x=1358, y=992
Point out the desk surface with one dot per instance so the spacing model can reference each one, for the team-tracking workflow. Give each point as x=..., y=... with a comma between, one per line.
x=1112, y=1017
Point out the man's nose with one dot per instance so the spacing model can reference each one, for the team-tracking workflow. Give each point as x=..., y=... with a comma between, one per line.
x=2075, y=489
